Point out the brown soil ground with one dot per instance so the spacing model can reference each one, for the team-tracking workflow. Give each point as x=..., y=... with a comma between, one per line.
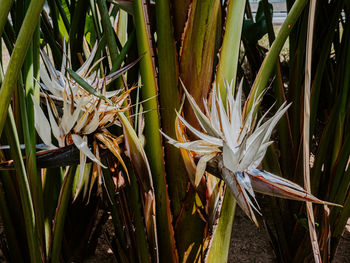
x=249, y=244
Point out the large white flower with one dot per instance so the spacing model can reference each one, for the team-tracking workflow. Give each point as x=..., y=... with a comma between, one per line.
x=80, y=112
x=239, y=144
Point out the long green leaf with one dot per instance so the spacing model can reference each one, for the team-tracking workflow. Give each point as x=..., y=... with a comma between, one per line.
x=18, y=55
x=61, y=211
x=153, y=147
x=135, y=202
x=229, y=53
x=143, y=172
x=169, y=101
x=220, y=243
x=30, y=73
x=24, y=190
x=4, y=11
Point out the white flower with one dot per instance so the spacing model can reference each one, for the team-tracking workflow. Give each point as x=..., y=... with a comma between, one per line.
x=240, y=145
x=82, y=112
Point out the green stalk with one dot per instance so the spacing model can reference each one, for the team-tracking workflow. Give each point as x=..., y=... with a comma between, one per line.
x=343, y=217
x=296, y=73
x=111, y=40
x=10, y=207
x=220, y=242
x=52, y=182
x=27, y=117
x=24, y=190
x=269, y=62
x=340, y=180
x=154, y=150
x=125, y=50
x=229, y=54
x=285, y=140
x=61, y=211
x=169, y=101
x=140, y=234
x=54, y=19
x=189, y=226
x=49, y=38
x=108, y=30
x=29, y=132
x=96, y=19
x=18, y=55
x=4, y=11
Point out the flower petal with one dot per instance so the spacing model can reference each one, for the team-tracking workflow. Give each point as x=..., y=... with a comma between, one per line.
x=239, y=193
x=41, y=123
x=270, y=184
x=204, y=137
x=201, y=166
x=82, y=145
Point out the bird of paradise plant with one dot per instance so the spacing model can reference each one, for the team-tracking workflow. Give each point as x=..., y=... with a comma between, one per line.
x=84, y=114
x=185, y=217
x=239, y=145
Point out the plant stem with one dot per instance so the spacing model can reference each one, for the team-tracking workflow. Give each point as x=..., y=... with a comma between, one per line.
x=153, y=147
x=4, y=11
x=24, y=189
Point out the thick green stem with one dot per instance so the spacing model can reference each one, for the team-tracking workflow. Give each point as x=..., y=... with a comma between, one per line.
x=4, y=11
x=154, y=148
x=220, y=243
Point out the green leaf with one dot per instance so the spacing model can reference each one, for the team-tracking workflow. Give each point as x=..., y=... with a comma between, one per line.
x=229, y=54
x=153, y=147
x=197, y=52
x=18, y=55
x=24, y=190
x=270, y=60
x=254, y=31
x=4, y=11
x=87, y=86
x=220, y=241
x=59, y=220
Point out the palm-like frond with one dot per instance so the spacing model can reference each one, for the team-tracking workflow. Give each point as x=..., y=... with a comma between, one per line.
x=239, y=142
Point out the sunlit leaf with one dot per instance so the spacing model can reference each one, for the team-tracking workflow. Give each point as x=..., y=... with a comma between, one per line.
x=82, y=145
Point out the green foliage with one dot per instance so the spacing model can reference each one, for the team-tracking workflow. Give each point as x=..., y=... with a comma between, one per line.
x=160, y=210
x=254, y=31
